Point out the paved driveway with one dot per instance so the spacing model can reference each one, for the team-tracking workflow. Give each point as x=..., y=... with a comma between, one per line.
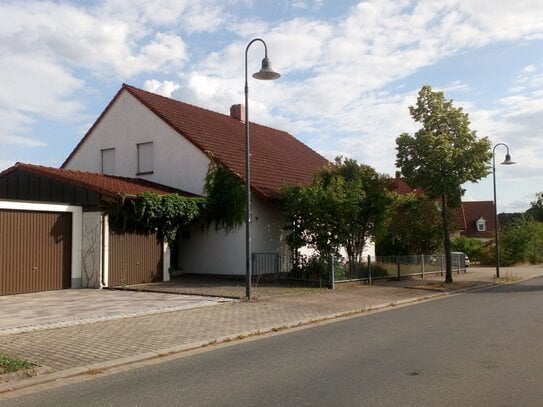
x=50, y=309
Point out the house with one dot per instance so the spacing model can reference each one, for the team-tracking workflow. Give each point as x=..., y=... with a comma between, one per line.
x=159, y=144
x=476, y=220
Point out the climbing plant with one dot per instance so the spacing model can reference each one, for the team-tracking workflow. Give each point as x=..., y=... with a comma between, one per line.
x=225, y=202
x=149, y=212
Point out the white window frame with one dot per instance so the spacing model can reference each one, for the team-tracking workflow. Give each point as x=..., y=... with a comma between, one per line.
x=481, y=225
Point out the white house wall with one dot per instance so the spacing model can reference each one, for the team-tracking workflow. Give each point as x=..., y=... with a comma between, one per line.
x=176, y=161
x=212, y=252
x=266, y=232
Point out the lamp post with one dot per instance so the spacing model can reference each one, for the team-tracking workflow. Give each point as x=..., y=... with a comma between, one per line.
x=265, y=73
x=507, y=161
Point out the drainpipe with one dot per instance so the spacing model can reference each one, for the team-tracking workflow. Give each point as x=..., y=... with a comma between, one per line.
x=104, y=269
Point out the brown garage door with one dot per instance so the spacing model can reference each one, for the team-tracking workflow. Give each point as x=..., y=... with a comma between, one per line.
x=35, y=251
x=134, y=258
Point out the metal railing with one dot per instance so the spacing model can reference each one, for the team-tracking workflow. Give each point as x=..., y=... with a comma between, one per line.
x=327, y=272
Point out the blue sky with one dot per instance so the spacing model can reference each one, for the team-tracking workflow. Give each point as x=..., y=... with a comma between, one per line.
x=350, y=70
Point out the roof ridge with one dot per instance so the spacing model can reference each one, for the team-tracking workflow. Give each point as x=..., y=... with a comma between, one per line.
x=170, y=99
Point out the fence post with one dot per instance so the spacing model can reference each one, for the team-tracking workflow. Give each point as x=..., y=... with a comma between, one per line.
x=277, y=266
x=422, y=264
x=398, y=267
x=369, y=269
x=332, y=273
x=458, y=262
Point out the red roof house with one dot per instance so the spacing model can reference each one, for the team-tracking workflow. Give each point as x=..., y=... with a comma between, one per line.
x=165, y=141
x=477, y=219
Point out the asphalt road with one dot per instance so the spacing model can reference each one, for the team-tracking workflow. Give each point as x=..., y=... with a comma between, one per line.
x=479, y=348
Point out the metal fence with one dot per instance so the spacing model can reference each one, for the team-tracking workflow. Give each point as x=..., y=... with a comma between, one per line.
x=415, y=265
x=327, y=272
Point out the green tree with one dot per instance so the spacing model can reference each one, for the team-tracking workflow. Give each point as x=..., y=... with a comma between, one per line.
x=522, y=242
x=442, y=155
x=536, y=208
x=412, y=226
x=341, y=208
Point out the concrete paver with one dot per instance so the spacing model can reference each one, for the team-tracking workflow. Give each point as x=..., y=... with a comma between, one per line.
x=53, y=309
x=112, y=341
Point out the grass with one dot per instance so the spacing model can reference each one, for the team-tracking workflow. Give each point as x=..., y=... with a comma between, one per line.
x=9, y=364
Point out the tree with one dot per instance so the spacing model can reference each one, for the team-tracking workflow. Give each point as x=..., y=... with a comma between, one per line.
x=536, y=208
x=412, y=226
x=341, y=208
x=522, y=242
x=442, y=155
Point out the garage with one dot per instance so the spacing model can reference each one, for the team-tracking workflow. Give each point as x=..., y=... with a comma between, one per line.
x=134, y=259
x=35, y=250
x=55, y=234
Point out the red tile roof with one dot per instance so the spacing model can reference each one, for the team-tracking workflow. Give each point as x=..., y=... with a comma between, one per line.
x=473, y=210
x=277, y=158
x=104, y=184
x=401, y=187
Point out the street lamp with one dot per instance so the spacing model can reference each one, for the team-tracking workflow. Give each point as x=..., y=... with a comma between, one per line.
x=507, y=161
x=265, y=73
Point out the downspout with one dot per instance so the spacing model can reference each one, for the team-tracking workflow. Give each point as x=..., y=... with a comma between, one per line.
x=104, y=274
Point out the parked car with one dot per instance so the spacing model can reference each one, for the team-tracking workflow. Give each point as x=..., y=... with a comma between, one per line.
x=458, y=258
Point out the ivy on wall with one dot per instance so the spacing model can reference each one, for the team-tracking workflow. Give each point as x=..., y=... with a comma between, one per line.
x=225, y=202
x=149, y=213
x=168, y=214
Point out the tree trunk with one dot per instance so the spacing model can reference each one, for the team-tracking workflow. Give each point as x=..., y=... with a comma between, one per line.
x=446, y=239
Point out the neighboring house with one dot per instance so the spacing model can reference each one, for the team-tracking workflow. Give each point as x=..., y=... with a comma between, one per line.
x=146, y=142
x=476, y=220
x=56, y=235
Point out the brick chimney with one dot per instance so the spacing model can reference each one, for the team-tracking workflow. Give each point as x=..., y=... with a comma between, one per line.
x=237, y=112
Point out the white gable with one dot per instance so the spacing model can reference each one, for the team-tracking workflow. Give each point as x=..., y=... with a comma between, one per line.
x=128, y=123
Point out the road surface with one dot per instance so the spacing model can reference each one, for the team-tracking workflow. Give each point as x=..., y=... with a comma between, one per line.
x=482, y=348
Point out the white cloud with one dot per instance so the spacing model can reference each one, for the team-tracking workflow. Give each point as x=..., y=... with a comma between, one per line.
x=164, y=88
x=12, y=125
x=36, y=86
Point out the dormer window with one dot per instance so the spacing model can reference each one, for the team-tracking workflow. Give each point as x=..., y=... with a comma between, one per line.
x=481, y=225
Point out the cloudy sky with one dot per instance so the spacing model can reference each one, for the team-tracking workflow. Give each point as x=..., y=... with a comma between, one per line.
x=350, y=69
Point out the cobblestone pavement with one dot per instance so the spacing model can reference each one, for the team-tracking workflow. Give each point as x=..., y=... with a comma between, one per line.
x=110, y=341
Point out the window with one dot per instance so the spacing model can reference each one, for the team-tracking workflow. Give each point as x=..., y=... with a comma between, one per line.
x=145, y=158
x=108, y=161
x=481, y=225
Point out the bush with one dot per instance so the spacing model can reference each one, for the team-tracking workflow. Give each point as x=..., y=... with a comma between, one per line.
x=472, y=247
x=522, y=242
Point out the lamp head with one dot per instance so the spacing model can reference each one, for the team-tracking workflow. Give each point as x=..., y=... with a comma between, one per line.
x=508, y=160
x=266, y=72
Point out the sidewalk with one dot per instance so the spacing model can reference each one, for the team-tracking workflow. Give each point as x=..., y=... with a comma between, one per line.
x=79, y=348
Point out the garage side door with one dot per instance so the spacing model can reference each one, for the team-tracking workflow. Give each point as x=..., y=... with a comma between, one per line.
x=35, y=251
x=134, y=259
